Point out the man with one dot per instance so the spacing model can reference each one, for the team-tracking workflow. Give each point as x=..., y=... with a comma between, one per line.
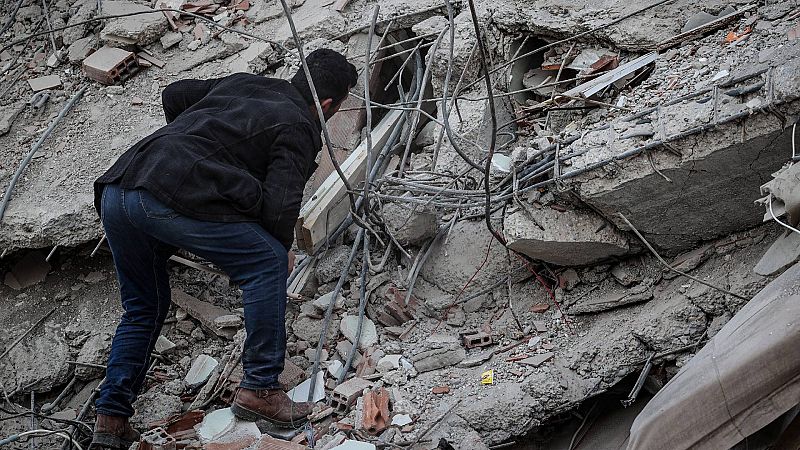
x=224, y=180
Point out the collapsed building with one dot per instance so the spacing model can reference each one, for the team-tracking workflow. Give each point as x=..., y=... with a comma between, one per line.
x=546, y=204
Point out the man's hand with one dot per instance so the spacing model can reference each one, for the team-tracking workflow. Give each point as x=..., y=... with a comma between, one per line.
x=291, y=257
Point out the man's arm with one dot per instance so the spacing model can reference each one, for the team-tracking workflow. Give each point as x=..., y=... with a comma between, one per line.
x=285, y=180
x=179, y=96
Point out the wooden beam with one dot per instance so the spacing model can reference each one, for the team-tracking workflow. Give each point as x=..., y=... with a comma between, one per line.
x=596, y=85
x=329, y=206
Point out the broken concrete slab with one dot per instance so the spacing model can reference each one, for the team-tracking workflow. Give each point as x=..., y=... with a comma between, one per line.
x=38, y=363
x=155, y=407
x=568, y=238
x=44, y=83
x=201, y=370
x=408, y=228
x=452, y=261
x=205, y=312
x=537, y=360
x=300, y=392
x=705, y=176
x=369, y=334
x=308, y=328
x=140, y=29
x=438, y=358
x=228, y=321
x=94, y=352
x=81, y=48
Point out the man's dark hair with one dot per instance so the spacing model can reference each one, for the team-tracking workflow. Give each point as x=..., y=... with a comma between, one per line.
x=333, y=76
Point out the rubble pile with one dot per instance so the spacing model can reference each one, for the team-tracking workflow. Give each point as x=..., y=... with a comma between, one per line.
x=613, y=135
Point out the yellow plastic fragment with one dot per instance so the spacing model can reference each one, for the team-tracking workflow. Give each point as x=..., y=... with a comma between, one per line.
x=487, y=377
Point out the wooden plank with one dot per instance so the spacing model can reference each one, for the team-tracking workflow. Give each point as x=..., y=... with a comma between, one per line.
x=596, y=85
x=703, y=29
x=329, y=206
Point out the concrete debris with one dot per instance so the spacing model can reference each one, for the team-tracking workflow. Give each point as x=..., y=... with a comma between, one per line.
x=155, y=407
x=322, y=303
x=94, y=353
x=141, y=29
x=680, y=141
x=408, y=228
x=170, y=39
x=300, y=392
x=568, y=238
x=368, y=336
x=228, y=321
x=205, y=312
x=44, y=83
x=201, y=370
x=438, y=358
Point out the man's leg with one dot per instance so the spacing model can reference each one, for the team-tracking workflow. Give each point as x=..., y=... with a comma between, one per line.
x=140, y=263
x=257, y=262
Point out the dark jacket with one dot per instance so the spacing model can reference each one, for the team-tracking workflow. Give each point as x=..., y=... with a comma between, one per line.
x=235, y=149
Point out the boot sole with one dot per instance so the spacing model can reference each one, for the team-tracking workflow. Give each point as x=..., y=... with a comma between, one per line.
x=109, y=441
x=252, y=416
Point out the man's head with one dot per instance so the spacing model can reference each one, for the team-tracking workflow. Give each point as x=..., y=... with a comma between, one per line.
x=333, y=77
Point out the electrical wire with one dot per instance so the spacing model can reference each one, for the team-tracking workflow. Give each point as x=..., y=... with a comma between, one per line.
x=775, y=218
x=41, y=432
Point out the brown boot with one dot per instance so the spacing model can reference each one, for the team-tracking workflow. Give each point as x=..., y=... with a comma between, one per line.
x=113, y=432
x=272, y=405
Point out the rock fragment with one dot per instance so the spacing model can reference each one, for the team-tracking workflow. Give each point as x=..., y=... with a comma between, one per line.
x=140, y=29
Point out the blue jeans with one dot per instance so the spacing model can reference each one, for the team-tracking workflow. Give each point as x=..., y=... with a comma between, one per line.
x=143, y=233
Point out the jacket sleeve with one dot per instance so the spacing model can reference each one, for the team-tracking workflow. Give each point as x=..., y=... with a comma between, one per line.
x=179, y=96
x=292, y=154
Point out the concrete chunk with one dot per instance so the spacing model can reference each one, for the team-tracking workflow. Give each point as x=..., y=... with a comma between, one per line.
x=438, y=358
x=201, y=370
x=369, y=334
x=43, y=83
x=205, y=312
x=569, y=238
x=141, y=29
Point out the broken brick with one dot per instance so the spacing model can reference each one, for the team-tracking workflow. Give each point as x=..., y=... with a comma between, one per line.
x=157, y=439
x=473, y=339
x=375, y=417
x=439, y=390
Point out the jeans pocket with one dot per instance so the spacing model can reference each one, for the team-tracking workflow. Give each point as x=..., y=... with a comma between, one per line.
x=153, y=208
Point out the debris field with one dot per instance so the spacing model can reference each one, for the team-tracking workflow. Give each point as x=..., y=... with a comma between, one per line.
x=542, y=201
